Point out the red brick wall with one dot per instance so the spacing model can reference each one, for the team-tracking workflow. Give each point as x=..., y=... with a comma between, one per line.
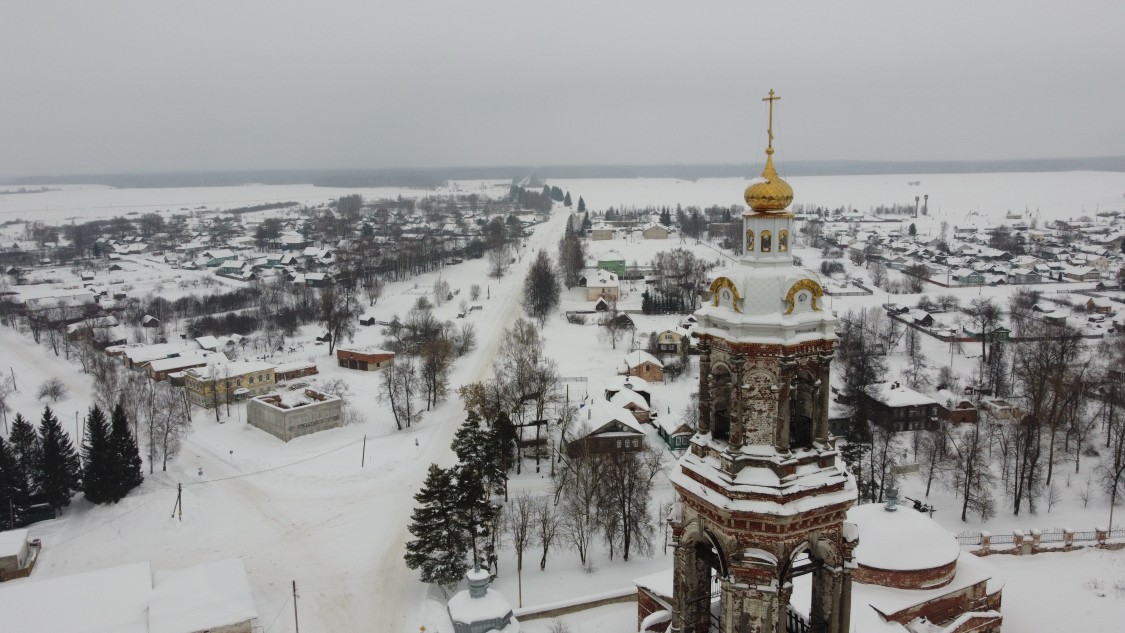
x=646, y=605
x=914, y=579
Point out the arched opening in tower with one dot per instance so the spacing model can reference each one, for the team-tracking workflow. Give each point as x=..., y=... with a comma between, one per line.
x=701, y=581
x=720, y=402
x=802, y=411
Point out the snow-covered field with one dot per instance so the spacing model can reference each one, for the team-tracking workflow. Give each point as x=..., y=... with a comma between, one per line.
x=952, y=196
x=307, y=511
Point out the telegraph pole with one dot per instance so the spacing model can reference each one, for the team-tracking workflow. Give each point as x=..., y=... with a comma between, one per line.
x=363, y=457
x=296, y=623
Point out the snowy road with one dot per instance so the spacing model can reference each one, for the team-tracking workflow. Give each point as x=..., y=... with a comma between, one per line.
x=398, y=599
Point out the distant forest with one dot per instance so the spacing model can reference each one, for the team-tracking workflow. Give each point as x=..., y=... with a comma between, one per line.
x=436, y=177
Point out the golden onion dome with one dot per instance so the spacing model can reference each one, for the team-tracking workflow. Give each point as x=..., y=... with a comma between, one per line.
x=770, y=194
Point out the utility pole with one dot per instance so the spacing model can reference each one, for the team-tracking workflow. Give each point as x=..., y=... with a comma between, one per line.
x=296, y=623
x=363, y=457
x=179, y=507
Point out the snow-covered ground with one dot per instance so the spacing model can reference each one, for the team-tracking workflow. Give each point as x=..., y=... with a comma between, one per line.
x=306, y=510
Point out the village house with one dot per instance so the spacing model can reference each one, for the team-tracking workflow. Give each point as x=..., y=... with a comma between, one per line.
x=364, y=358
x=614, y=384
x=896, y=407
x=607, y=429
x=603, y=285
x=612, y=261
x=671, y=341
x=601, y=232
x=222, y=382
x=290, y=414
x=655, y=231
x=643, y=365
x=675, y=432
x=1082, y=273
x=634, y=403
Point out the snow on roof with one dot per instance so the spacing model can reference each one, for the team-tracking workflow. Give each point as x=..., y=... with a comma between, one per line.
x=601, y=413
x=463, y=607
x=640, y=356
x=294, y=366
x=661, y=583
x=617, y=383
x=894, y=395
x=114, y=599
x=144, y=353
x=903, y=540
x=179, y=362
x=200, y=598
x=626, y=397
x=365, y=349
x=12, y=542
x=603, y=279
x=220, y=369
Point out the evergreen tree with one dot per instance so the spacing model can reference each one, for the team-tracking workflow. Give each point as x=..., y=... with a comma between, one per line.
x=98, y=461
x=566, y=199
x=126, y=456
x=581, y=205
x=59, y=473
x=912, y=230
x=14, y=495
x=665, y=217
x=478, y=472
x=24, y=444
x=541, y=289
x=439, y=549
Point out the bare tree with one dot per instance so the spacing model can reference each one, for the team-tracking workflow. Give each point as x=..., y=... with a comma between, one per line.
x=7, y=388
x=52, y=388
x=400, y=387
x=1111, y=470
x=579, y=484
x=916, y=369
x=519, y=521
x=626, y=498
x=972, y=474
x=547, y=524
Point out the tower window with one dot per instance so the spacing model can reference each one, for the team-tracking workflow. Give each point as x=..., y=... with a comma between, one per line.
x=782, y=241
x=766, y=241
x=749, y=240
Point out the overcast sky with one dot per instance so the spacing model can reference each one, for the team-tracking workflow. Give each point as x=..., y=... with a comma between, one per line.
x=110, y=86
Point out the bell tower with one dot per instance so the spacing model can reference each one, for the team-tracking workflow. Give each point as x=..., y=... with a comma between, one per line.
x=762, y=493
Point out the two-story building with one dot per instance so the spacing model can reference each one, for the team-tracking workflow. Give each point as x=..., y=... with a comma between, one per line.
x=222, y=382
x=896, y=407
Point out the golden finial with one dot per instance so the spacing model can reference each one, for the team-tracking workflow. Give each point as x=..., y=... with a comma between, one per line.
x=770, y=194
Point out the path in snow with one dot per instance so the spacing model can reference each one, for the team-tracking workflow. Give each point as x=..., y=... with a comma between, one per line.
x=401, y=595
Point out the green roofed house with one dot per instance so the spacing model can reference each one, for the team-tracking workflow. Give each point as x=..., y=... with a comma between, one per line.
x=612, y=261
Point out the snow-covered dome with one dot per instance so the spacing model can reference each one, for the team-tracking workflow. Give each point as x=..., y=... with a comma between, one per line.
x=918, y=552
x=479, y=609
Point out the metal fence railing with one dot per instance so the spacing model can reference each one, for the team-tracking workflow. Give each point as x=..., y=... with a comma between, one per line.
x=1053, y=535
x=969, y=539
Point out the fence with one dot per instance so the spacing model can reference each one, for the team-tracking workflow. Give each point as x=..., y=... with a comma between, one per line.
x=1032, y=541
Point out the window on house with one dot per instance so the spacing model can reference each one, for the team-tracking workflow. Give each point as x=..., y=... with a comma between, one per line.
x=618, y=443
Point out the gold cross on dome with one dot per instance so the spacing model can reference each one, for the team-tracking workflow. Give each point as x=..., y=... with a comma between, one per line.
x=773, y=97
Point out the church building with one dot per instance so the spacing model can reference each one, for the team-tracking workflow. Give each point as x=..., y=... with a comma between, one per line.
x=764, y=540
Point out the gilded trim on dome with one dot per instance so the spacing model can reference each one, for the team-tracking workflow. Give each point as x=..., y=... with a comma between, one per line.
x=804, y=284
x=719, y=284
